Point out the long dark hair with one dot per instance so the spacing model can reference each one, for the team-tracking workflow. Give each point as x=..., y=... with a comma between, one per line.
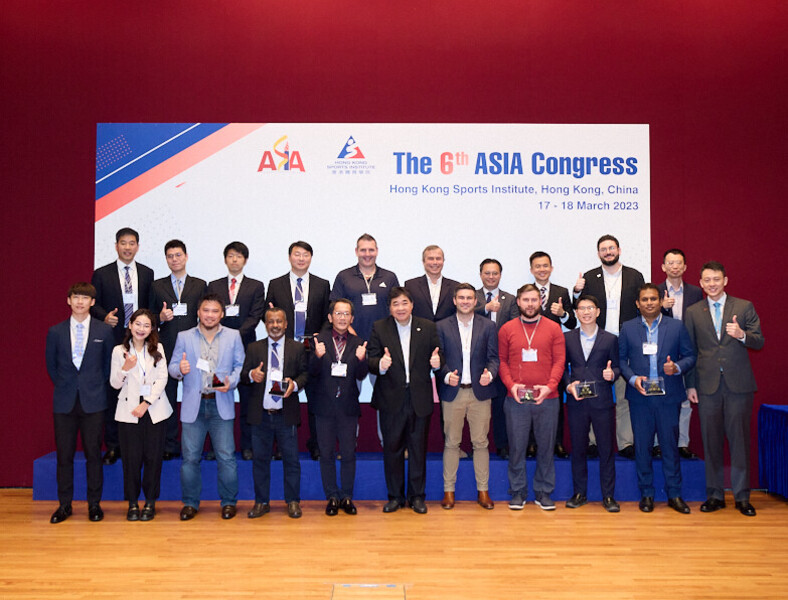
x=152, y=339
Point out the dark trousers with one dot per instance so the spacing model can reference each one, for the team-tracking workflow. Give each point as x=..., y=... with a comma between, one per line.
x=311, y=441
x=330, y=429
x=111, y=440
x=142, y=445
x=404, y=429
x=660, y=415
x=172, y=441
x=272, y=427
x=559, y=427
x=582, y=415
x=89, y=426
x=500, y=439
x=726, y=414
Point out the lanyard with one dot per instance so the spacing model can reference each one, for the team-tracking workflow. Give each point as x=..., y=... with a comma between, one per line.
x=527, y=338
x=140, y=363
x=336, y=348
x=368, y=281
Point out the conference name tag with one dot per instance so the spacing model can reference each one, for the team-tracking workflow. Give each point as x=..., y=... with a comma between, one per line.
x=276, y=375
x=145, y=389
x=529, y=355
x=232, y=310
x=300, y=306
x=369, y=299
x=180, y=309
x=129, y=298
x=649, y=348
x=203, y=365
x=612, y=303
x=338, y=369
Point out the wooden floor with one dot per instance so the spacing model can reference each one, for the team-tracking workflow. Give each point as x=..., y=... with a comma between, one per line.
x=465, y=553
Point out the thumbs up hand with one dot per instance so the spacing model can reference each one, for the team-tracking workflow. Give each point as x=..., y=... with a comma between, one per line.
x=361, y=351
x=557, y=308
x=493, y=305
x=258, y=374
x=385, y=361
x=166, y=313
x=112, y=319
x=185, y=366
x=607, y=373
x=131, y=362
x=667, y=301
x=486, y=377
x=435, y=359
x=580, y=283
x=733, y=329
x=670, y=367
x=320, y=349
x=454, y=378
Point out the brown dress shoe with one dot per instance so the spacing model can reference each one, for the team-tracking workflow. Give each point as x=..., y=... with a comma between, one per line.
x=448, y=500
x=294, y=510
x=485, y=501
x=229, y=511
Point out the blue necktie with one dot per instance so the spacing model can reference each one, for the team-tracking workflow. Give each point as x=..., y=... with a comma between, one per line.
x=274, y=356
x=489, y=299
x=79, y=346
x=300, y=316
x=717, y=320
x=128, y=308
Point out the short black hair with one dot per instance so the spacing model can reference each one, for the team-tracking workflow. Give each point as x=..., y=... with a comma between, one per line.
x=239, y=247
x=82, y=288
x=588, y=297
x=300, y=244
x=713, y=265
x=273, y=309
x=540, y=254
x=398, y=291
x=674, y=251
x=174, y=244
x=647, y=286
x=605, y=238
x=490, y=260
x=126, y=231
x=211, y=297
x=340, y=301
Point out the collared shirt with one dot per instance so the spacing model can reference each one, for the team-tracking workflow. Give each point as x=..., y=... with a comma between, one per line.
x=238, y=279
x=350, y=283
x=466, y=334
x=133, y=276
x=678, y=294
x=613, y=296
x=495, y=292
x=274, y=402
x=209, y=351
x=587, y=341
x=712, y=310
x=174, y=280
x=435, y=292
x=73, y=328
x=546, y=287
x=304, y=286
x=404, y=341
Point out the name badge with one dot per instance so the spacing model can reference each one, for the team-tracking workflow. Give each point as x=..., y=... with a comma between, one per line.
x=180, y=309
x=129, y=298
x=300, y=306
x=204, y=365
x=649, y=348
x=370, y=299
x=145, y=389
x=529, y=355
x=338, y=369
x=232, y=310
x=276, y=375
x=612, y=303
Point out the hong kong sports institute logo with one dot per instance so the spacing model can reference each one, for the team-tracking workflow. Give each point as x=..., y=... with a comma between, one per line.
x=350, y=160
x=281, y=158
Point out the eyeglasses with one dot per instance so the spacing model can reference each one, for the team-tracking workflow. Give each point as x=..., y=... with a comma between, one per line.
x=341, y=314
x=585, y=308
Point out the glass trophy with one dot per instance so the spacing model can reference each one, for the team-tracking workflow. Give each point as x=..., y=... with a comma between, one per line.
x=216, y=382
x=278, y=388
x=654, y=386
x=526, y=394
x=586, y=389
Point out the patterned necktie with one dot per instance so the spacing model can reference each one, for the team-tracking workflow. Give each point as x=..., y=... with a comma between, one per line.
x=79, y=346
x=717, y=320
x=543, y=296
x=340, y=341
x=232, y=290
x=300, y=316
x=274, y=356
x=489, y=297
x=128, y=307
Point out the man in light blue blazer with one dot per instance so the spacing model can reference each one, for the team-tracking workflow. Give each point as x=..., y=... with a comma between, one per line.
x=470, y=346
x=208, y=358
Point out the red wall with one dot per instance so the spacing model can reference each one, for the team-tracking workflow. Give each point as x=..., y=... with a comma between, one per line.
x=709, y=78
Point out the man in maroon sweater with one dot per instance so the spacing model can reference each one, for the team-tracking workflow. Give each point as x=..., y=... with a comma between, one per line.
x=532, y=355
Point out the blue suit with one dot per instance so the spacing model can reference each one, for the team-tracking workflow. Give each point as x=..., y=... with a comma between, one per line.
x=658, y=414
x=484, y=355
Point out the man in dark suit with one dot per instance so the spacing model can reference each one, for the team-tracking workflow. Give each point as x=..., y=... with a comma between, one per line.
x=498, y=306
x=403, y=350
x=277, y=369
x=615, y=286
x=722, y=329
x=337, y=365
x=175, y=300
x=244, y=303
x=78, y=357
x=432, y=292
x=305, y=298
x=122, y=287
x=677, y=297
x=591, y=368
x=470, y=346
x=655, y=351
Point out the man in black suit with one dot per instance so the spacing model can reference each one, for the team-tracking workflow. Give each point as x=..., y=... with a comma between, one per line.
x=78, y=356
x=175, y=300
x=244, y=303
x=276, y=367
x=677, y=297
x=337, y=364
x=403, y=352
x=122, y=287
x=432, y=292
x=556, y=306
x=305, y=299
x=615, y=287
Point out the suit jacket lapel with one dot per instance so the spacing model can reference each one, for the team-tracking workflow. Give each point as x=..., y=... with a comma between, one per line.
x=287, y=293
x=425, y=292
x=396, y=351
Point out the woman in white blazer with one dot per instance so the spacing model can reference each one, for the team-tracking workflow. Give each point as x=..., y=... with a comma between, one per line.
x=139, y=371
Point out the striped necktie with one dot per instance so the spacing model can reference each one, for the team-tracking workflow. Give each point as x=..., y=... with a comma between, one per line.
x=128, y=307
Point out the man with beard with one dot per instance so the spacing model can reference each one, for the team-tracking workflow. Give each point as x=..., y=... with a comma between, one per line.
x=532, y=354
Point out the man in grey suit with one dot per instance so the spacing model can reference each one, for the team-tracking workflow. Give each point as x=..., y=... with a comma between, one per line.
x=500, y=307
x=722, y=384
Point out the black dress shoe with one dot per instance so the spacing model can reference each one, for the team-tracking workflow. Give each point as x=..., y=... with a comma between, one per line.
x=332, y=508
x=314, y=453
x=610, y=504
x=277, y=454
x=392, y=506
x=171, y=455
x=62, y=513
x=111, y=456
x=188, y=513
x=210, y=455
x=148, y=512
x=686, y=453
x=745, y=508
x=577, y=501
x=258, y=510
x=646, y=504
x=347, y=505
x=134, y=513
x=656, y=452
x=560, y=451
x=679, y=505
x=247, y=454
x=503, y=452
x=712, y=504
x=229, y=511
x=627, y=452
x=95, y=513
x=530, y=451
x=418, y=505
x=294, y=509
x=592, y=451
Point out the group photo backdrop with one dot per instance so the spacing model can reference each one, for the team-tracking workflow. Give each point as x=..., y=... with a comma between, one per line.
x=706, y=81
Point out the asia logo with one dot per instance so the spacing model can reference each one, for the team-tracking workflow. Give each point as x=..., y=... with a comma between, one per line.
x=351, y=150
x=281, y=158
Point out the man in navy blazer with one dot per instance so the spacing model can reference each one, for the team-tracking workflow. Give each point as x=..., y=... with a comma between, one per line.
x=122, y=287
x=655, y=351
x=432, y=292
x=592, y=365
x=677, y=297
x=208, y=358
x=78, y=357
x=470, y=346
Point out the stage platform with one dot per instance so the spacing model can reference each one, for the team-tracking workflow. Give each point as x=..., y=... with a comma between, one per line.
x=370, y=483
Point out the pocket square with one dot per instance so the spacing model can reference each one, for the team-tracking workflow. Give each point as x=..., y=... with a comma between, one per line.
x=382, y=284
x=99, y=341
